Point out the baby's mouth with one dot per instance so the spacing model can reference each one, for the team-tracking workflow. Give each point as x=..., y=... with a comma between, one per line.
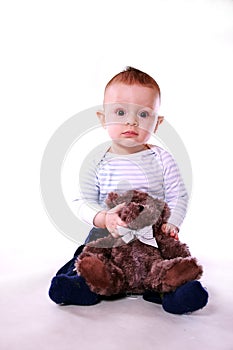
x=130, y=133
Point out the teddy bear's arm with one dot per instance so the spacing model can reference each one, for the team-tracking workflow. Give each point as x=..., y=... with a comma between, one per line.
x=171, y=248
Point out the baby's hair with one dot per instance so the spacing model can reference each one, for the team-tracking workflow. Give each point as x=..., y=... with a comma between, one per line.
x=131, y=76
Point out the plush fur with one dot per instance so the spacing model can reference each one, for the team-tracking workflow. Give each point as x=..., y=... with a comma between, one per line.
x=111, y=267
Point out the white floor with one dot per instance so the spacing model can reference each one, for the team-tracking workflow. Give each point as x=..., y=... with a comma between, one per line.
x=29, y=320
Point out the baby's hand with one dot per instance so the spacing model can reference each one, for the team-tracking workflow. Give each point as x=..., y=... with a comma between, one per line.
x=112, y=220
x=170, y=229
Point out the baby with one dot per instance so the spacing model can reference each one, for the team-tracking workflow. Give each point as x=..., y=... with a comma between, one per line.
x=130, y=115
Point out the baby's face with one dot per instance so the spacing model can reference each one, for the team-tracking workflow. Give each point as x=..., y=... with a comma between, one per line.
x=130, y=113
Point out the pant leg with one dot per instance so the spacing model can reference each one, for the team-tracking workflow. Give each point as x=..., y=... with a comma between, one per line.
x=96, y=233
x=68, y=288
x=68, y=268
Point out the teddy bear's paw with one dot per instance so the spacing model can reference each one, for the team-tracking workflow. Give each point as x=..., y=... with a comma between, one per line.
x=99, y=277
x=182, y=271
x=95, y=273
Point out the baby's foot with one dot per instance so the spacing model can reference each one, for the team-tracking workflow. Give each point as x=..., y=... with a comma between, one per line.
x=187, y=298
x=72, y=290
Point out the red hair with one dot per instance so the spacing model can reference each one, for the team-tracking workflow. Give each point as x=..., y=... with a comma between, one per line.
x=132, y=76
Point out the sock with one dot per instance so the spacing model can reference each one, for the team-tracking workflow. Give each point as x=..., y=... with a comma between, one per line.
x=152, y=296
x=71, y=290
x=187, y=298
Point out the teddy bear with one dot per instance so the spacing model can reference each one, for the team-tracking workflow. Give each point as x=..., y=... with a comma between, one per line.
x=134, y=263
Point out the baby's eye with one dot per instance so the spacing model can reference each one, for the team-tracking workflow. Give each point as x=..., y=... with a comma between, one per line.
x=143, y=114
x=120, y=112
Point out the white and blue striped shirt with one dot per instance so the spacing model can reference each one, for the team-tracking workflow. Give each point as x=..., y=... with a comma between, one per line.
x=152, y=170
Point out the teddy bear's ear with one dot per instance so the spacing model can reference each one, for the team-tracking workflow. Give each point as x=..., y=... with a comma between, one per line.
x=101, y=115
x=111, y=199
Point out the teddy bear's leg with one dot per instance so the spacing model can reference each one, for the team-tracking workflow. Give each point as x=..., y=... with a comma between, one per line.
x=166, y=275
x=102, y=276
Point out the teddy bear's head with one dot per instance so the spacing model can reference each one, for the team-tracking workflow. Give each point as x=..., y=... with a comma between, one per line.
x=140, y=208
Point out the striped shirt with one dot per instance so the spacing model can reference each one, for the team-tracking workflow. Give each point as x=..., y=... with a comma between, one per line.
x=152, y=170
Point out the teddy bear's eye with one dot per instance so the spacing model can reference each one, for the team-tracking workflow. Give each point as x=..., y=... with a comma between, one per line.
x=141, y=208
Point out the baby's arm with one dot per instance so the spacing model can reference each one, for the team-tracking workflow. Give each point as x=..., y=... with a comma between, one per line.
x=110, y=219
x=87, y=206
x=175, y=196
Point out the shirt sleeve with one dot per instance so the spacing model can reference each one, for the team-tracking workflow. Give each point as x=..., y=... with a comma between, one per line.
x=86, y=204
x=175, y=192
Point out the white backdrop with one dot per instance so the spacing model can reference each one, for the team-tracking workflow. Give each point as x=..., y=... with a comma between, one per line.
x=56, y=57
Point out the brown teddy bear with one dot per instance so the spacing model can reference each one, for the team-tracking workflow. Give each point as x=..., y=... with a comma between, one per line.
x=132, y=264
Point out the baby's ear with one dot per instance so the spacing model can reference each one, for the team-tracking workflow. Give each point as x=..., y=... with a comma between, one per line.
x=101, y=115
x=159, y=121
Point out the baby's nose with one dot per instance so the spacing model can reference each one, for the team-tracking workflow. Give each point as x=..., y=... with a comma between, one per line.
x=132, y=119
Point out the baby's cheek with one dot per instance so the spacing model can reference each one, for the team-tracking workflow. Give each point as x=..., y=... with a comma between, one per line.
x=114, y=131
x=145, y=134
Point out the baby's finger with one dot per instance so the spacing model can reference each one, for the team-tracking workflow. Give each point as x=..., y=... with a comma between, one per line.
x=165, y=228
x=114, y=232
x=121, y=223
x=174, y=234
x=117, y=208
